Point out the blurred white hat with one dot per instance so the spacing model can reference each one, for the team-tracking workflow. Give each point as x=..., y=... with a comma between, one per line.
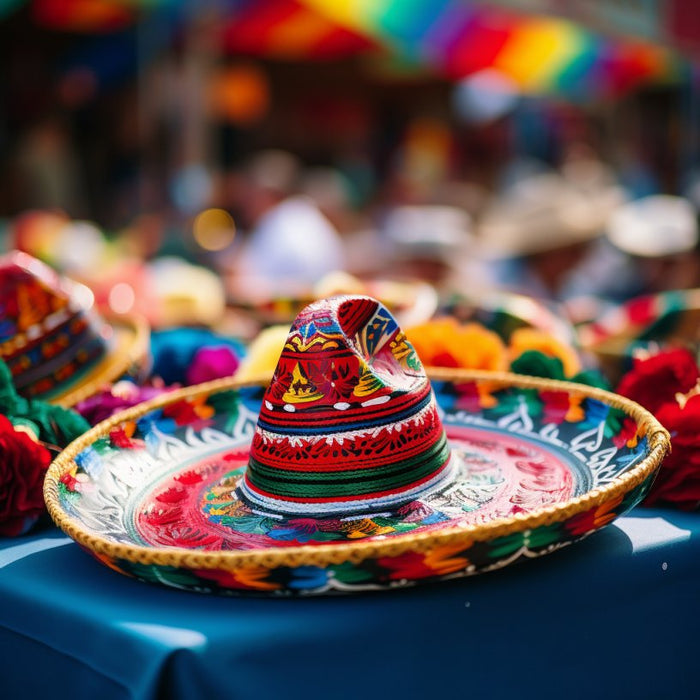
x=292, y=246
x=654, y=226
x=544, y=212
x=428, y=231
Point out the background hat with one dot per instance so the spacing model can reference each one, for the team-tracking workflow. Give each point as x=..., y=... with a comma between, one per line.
x=54, y=343
x=544, y=212
x=429, y=231
x=186, y=294
x=654, y=226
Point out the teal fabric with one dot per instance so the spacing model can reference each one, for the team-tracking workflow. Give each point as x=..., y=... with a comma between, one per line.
x=613, y=616
x=172, y=350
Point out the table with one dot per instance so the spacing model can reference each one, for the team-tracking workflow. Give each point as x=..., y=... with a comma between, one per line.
x=613, y=616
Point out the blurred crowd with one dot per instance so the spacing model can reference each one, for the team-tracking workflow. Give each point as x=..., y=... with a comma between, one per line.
x=572, y=235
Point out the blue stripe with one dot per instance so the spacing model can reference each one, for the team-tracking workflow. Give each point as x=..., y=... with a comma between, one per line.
x=341, y=425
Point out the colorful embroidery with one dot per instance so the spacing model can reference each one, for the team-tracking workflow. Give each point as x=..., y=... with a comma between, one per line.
x=348, y=473
x=160, y=484
x=47, y=341
x=349, y=424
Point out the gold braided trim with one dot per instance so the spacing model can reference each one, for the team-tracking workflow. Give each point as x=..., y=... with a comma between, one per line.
x=324, y=555
x=132, y=336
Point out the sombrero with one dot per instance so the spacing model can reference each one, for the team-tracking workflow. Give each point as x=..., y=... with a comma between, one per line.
x=351, y=470
x=641, y=324
x=545, y=212
x=56, y=346
x=655, y=226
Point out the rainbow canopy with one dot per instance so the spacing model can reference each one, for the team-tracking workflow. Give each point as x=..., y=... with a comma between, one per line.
x=453, y=38
x=540, y=54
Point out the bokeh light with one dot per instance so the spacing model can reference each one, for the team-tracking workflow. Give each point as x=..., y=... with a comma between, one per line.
x=214, y=229
x=122, y=298
x=191, y=187
x=239, y=94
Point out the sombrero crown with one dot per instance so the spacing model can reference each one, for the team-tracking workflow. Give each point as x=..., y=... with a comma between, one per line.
x=52, y=340
x=349, y=423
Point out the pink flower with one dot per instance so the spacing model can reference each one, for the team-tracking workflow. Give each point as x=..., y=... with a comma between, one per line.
x=122, y=395
x=213, y=362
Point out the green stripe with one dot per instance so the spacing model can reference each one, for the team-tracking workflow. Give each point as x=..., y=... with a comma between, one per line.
x=350, y=482
x=278, y=474
x=347, y=475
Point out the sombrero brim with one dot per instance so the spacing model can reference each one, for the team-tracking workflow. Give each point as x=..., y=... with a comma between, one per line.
x=127, y=353
x=152, y=491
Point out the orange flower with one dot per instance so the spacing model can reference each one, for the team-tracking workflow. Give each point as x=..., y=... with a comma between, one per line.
x=524, y=339
x=476, y=347
x=108, y=561
x=429, y=340
x=486, y=391
x=255, y=577
x=445, y=343
x=245, y=577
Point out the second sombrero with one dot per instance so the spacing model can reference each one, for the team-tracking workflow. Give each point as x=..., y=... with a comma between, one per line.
x=56, y=345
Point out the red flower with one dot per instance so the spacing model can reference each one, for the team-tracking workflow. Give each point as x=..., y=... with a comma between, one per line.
x=641, y=310
x=473, y=396
x=667, y=385
x=23, y=463
x=678, y=481
x=122, y=436
x=656, y=380
x=70, y=482
x=188, y=411
x=410, y=565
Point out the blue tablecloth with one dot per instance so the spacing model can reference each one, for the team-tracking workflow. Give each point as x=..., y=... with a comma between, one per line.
x=616, y=615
